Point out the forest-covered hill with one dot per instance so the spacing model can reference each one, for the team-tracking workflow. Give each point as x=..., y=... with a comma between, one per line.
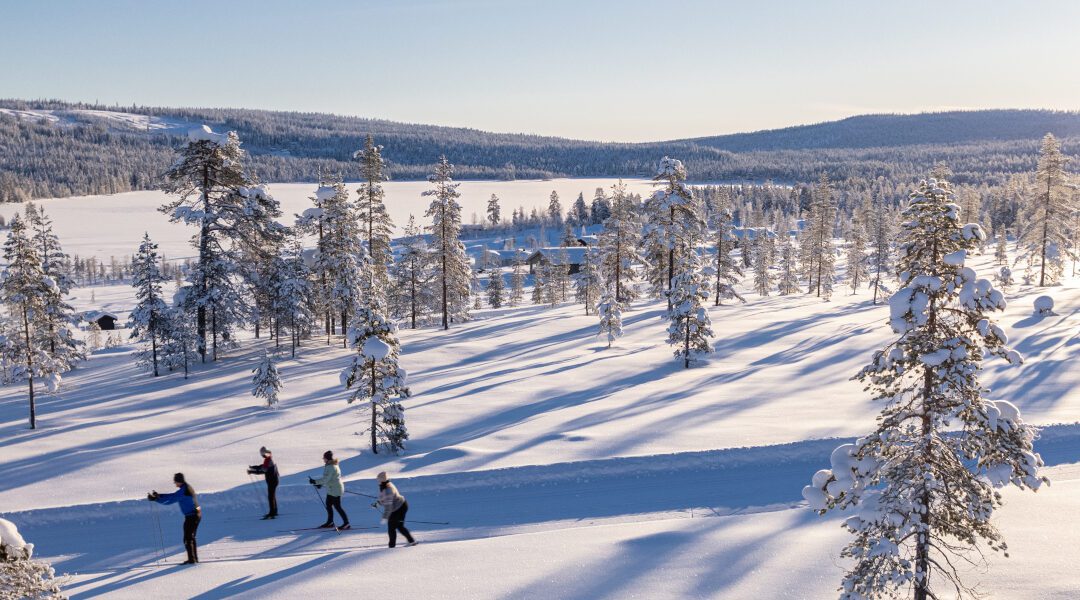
x=51, y=148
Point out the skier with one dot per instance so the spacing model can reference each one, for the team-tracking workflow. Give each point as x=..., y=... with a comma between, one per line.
x=268, y=469
x=331, y=478
x=189, y=505
x=394, y=509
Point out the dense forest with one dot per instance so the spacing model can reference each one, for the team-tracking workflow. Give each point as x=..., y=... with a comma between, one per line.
x=52, y=148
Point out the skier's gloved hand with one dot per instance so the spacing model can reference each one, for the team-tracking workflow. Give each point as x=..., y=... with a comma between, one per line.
x=382, y=521
x=311, y=481
x=374, y=505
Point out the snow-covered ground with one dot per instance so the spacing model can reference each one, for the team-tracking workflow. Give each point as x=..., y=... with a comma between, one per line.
x=541, y=463
x=111, y=225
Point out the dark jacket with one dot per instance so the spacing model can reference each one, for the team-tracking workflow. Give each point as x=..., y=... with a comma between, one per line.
x=267, y=468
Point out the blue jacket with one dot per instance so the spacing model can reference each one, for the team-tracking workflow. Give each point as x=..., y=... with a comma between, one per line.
x=189, y=503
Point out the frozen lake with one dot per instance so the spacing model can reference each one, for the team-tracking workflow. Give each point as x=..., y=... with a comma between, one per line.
x=112, y=225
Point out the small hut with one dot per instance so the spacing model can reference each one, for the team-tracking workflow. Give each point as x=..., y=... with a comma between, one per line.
x=574, y=255
x=105, y=320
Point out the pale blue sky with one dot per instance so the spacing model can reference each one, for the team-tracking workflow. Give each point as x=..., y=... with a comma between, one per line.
x=629, y=71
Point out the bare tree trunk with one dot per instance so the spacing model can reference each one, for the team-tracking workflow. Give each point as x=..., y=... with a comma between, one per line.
x=374, y=440
x=29, y=366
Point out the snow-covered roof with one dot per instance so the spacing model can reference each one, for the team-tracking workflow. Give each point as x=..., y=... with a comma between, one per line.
x=94, y=315
x=574, y=254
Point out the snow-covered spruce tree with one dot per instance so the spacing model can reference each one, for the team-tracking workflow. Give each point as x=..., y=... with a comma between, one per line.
x=451, y=265
x=587, y=282
x=675, y=214
x=554, y=212
x=215, y=195
x=343, y=255
x=857, y=269
x=1005, y=278
x=540, y=283
x=267, y=383
x=560, y=269
x=22, y=577
x=292, y=293
x=411, y=295
x=313, y=222
x=1045, y=238
x=148, y=320
x=819, y=256
x=569, y=238
x=1001, y=253
x=609, y=310
x=58, y=320
x=601, y=207
x=375, y=377
x=763, y=257
x=689, y=328
x=881, y=231
x=922, y=487
x=728, y=270
x=618, y=244
x=517, y=282
x=494, y=213
x=496, y=292
x=375, y=224
x=788, y=282
x=24, y=288
x=180, y=345
x=579, y=212
x=94, y=337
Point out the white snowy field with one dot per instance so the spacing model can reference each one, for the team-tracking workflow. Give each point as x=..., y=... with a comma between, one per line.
x=541, y=464
x=112, y=225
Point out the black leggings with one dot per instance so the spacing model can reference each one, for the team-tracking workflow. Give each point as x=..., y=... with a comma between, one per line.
x=271, y=495
x=191, y=525
x=396, y=523
x=333, y=502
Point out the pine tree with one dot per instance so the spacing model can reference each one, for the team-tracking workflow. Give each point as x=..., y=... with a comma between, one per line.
x=601, y=207
x=610, y=312
x=148, y=319
x=819, y=256
x=881, y=245
x=375, y=377
x=24, y=289
x=180, y=346
x=554, y=212
x=494, y=215
x=452, y=269
x=689, y=328
x=789, y=268
x=375, y=224
x=58, y=320
x=857, y=271
x=343, y=256
x=1001, y=253
x=540, y=283
x=495, y=289
x=1046, y=236
x=517, y=282
x=587, y=283
x=22, y=577
x=267, y=383
x=727, y=269
x=618, y=244
x=292, y=291
x=763, y=257
x=412, y=296
x=232, y=214
x=921, y=487
x=579, y=212
x=94, y=335
x=560, y=269
x=674, y=215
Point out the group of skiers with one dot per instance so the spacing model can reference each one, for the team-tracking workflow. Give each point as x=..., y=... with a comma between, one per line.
x=393, y=504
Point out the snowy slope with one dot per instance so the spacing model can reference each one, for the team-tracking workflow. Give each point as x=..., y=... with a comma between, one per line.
x=113, y=119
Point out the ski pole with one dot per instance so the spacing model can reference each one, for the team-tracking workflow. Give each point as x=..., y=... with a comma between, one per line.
x=359, y=494
x=255, y=488
x=161, y=537
x=423, y=522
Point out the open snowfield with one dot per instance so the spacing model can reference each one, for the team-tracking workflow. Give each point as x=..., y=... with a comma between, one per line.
x=111, y=225
x=541, y=463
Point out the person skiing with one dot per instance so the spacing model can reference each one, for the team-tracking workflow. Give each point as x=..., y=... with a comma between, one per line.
x=331, y=478
x=185, y=497
x=394, y=509
x=268, y=469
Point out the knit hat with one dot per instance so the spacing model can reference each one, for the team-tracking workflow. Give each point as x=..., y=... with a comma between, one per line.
x=328, y=455
x=263, y=451
x=178, y=478
x=382, y=477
